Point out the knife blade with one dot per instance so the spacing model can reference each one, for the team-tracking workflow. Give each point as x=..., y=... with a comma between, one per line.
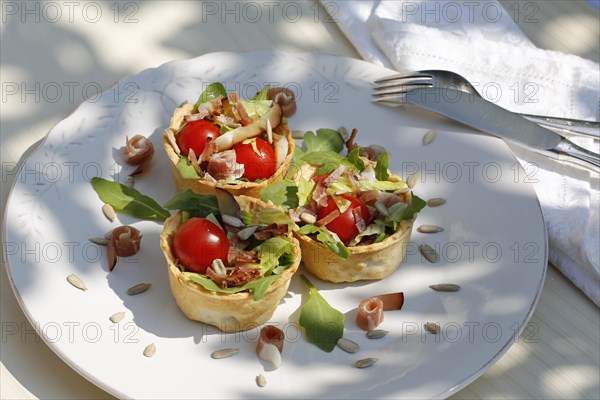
x=490, y=118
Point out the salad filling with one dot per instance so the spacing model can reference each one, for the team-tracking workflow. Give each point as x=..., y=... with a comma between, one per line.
x=226, y=249
x=341, y=194
x=224, y=139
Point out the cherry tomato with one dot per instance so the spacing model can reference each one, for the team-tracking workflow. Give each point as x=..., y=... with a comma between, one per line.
x=259, y=165
x=198, y=242
x=345, y=224
x=194, y=135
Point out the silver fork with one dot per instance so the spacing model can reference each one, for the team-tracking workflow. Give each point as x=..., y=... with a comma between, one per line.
x=392, y=89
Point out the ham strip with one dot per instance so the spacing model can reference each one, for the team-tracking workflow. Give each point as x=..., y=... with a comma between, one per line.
x=224, y=166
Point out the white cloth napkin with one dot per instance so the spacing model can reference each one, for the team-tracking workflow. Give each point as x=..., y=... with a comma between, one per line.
x=480, y=41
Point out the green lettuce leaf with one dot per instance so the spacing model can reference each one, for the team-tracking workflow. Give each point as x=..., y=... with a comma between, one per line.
x=262, y=95
x=212, y=91
x=342, y=185
x=305, y=189
x=382, y=166
x=270, y=252
x=325, y=237
x=258, y=287
x=186, y=169
x=257, y=107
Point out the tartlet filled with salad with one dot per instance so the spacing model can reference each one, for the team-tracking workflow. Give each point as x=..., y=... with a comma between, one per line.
x=353, y=218
x=223, y=141
x=230, y=260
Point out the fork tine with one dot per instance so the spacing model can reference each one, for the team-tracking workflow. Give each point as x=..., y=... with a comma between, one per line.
x=404, y=82
x=393, y=100
x=402, y=88
x=409, y=75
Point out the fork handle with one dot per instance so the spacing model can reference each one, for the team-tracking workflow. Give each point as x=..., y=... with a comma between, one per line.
x=570, y=149
x=586, y=128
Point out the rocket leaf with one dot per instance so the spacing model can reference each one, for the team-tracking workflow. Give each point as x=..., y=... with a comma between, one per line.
x=323, y=324
x=128, y=200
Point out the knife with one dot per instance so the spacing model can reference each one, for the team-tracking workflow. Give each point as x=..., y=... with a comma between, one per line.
x=485, y=116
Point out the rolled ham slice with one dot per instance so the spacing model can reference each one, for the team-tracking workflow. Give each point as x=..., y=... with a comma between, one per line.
x=370, y=313
x=270, y=345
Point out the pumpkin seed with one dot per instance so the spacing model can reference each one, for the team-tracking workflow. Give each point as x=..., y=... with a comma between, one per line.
x=77, y=282
x=365, y=362
x=376, y=333
x=432, y=327
x=117, y=317
x=99, y=240
x=429, y=136
x=429, y=253
x=109, y=212
x=139, y=288
x=435, y=202
x=347, y=345
x=445, y=287
x=261, y=381
x=429, y=229
x=150, y=350
x=224, y=353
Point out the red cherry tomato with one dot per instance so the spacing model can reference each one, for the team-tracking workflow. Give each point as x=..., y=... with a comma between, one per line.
x=259, y=165
x=198, y=242
x=345, y=224
x=194, y=135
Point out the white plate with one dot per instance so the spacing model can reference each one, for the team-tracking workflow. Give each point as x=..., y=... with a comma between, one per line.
x=493, y=245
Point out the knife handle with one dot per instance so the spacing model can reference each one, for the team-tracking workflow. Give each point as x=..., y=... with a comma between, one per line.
x=566, y=147
x=579, y=127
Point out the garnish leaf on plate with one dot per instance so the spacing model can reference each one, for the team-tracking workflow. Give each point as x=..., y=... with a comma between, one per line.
x=128, y=200
x=323, y=324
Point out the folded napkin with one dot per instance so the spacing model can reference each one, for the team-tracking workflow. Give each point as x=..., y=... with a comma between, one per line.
x=480, y=41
